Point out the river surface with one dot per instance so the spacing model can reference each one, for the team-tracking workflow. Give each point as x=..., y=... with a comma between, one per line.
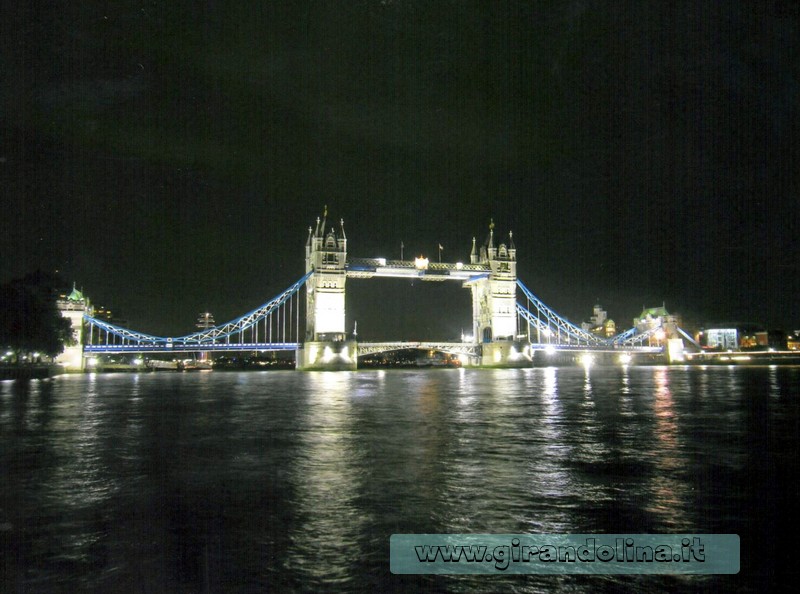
x=293, y=481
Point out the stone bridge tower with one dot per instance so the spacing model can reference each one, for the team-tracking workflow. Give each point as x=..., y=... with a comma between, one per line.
x=494, y=299
x=326, y=344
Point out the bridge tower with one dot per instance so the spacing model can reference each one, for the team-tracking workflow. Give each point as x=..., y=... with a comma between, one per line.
x=494, y=313
x=73, y=307
x=326, y=344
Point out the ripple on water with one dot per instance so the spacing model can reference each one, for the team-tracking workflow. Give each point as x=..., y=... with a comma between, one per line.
x=295, y=481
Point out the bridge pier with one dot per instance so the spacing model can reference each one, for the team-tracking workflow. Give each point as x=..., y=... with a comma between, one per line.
x=328, y=355
x=504, y=354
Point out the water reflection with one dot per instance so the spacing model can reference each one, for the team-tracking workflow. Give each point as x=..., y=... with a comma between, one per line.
x=326, y=483
x=667, y=484
x=550, y=484
x=774, y=386
x=294, y=481
x=626, y=404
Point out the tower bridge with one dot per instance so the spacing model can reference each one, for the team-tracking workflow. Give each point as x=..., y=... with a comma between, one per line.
x=505, y=331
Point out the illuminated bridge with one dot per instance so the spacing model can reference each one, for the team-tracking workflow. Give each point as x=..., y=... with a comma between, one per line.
x=510, y=325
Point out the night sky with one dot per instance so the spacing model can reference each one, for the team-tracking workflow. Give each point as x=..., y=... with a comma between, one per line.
x=169, y=157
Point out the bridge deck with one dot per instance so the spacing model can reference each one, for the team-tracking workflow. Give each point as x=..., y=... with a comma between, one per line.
x=364, y=348
x=187, y=348
x=433, y=271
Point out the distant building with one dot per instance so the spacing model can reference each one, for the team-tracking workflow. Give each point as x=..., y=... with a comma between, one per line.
x=600, y=324
x=655, y=317
x=609, y=328
x=101, y=312
x=741, y=336
x=205, y=321
x=720, y=338
x=793, y=341
x=73, y=306
x=651, y=317
x=777, y=339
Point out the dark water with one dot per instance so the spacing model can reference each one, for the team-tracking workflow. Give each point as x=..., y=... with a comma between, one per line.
x=292, y=482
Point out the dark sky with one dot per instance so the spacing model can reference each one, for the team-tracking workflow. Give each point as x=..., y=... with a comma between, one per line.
x=169, y=157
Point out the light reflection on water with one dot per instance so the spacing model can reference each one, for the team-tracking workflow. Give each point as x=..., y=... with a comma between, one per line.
x=294, y=481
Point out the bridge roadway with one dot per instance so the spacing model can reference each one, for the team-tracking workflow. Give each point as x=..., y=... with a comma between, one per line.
x=364, y=348
x=455, y=348
x=105, y=349
x=431, y=271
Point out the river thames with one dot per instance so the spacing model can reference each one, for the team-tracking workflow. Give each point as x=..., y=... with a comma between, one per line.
x=293, y=482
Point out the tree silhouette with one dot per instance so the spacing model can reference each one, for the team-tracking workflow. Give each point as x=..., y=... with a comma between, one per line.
x=29, y=318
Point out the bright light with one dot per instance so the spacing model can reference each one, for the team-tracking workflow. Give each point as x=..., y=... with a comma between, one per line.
x=660, y=335
x=92, y=361
x=467, y=338
x=587, y=360
x=498, y=356
x=421, y=263
x=329, y=312
x=464, y=359
x=327, y=355
x=381, y=261
x=138, y=361
x=459, y=265
x=625, y=358
x=550, y=349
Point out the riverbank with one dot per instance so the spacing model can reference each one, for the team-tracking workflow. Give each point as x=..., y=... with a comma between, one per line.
x=39, y=371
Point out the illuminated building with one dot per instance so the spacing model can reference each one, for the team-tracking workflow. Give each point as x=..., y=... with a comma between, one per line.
x=793, y=341
x=205, y=321
x=600, y=324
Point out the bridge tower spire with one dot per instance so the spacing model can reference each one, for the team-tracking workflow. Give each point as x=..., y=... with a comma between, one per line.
x=326, y=343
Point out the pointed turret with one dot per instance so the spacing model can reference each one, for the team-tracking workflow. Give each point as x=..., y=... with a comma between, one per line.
x=491, y=251
x=342, y=237
x=75, y=295
x=324, y=221
x=473, y=255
